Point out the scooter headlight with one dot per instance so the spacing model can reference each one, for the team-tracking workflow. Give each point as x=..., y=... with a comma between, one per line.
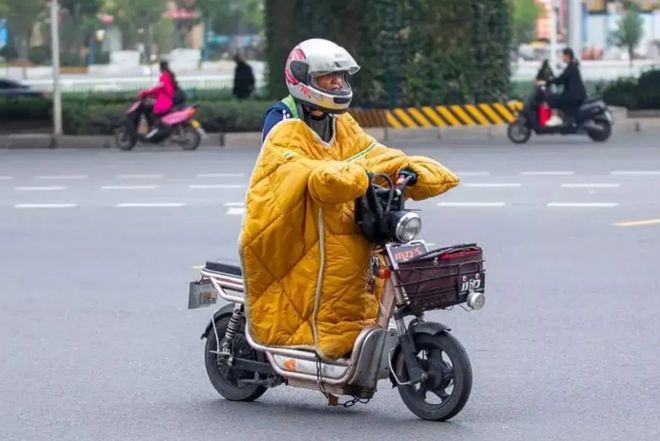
x=408, y=227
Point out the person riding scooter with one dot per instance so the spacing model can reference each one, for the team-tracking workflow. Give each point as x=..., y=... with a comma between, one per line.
x=573, y=93
x=164, y=92
x=306, y=265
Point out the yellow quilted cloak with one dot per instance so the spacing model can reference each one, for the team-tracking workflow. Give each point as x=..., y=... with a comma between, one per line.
x=305, y=263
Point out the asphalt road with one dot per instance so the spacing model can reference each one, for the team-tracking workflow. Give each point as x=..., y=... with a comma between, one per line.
x=98, y=247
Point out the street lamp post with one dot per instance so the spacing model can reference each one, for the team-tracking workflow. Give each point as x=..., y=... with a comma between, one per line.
x=57, y=96
x=575, y=26
x=554, y=10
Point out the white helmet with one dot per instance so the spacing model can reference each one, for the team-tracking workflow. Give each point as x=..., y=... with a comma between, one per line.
x=311, y=59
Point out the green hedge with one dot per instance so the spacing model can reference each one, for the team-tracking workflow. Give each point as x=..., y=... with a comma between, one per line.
x=412, y=52
x=520, y=89
x=636, y=94
x=86, y=114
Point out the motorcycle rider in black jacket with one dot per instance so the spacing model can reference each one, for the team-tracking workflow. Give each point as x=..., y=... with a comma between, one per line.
x=573, y=93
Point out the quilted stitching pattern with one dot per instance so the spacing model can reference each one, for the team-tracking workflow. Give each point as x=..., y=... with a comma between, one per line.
x=288, y=302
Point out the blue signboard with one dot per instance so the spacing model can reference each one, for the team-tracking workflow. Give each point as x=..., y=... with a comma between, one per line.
x=3, y=32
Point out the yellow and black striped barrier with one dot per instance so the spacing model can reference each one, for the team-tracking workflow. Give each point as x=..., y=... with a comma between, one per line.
x=485, y=114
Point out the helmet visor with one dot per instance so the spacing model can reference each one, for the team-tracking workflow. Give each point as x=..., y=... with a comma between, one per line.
x=335, y=83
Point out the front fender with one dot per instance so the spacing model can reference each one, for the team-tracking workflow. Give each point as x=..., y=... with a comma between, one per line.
x=430, y=328
x=225, y=310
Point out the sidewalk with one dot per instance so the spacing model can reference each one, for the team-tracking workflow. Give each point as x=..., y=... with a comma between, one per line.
x=253, y=139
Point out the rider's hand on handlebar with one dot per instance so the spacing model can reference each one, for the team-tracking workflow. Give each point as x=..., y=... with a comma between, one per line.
x=406, y=174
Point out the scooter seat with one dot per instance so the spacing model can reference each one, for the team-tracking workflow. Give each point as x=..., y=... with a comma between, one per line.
x=226, y=268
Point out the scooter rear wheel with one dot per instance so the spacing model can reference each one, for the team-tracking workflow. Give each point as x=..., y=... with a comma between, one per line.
x=446, y=390
x=190, y=138
x=225, y=379
x=603, y=133
x=519, y=132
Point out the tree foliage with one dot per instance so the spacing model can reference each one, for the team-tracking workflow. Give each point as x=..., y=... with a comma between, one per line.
x=412, y=52
x=524, y=15
x=136, y=19
x=629, y=31
x=22, y=15
x=232, y=17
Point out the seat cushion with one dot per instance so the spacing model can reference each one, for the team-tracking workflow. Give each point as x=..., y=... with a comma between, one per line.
x=226, y=268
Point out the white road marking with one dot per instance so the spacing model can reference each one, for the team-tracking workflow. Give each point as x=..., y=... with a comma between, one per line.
x=150, y=204
x=44, y=188
x=45, y=205
x=638, y=223
x=139, y=176
x=580, y=185
x=235, y=211
x=472, y=173
x=582, y=204
x=220, y=175
x=491, y=185
x=61, y=177
x=234, y=204
x=213, y=186
x=547, y=173
x=129, y=187
x=471, y=204
x=636, y=172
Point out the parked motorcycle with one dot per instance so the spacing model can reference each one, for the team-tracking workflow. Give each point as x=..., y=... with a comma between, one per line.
x=593, y=118
x=179, y=126
x=422, y=359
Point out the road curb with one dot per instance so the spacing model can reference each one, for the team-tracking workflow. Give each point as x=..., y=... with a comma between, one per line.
x=253, y=139
x=45, y=141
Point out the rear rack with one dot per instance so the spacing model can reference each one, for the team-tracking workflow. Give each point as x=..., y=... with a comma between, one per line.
x=224, y=282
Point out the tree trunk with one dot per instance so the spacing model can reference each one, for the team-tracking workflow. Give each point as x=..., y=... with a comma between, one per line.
x=24, y=45
x=631, y=52
x=148, y=45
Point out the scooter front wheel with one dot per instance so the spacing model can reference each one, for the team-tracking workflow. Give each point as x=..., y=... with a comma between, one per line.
x=519, y=132
x=125, y=136
x=446, y=389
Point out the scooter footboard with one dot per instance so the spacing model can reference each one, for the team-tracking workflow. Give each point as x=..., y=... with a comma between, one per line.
x=229, y=286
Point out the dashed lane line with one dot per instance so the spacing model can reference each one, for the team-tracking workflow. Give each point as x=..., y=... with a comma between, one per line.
x=41, y=188
x=45, y=205
x=639, y=223
x=61, y=177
